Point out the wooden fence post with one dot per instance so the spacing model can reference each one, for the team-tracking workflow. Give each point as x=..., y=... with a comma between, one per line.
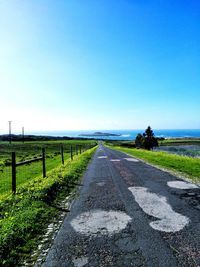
x=43, y=162
x=13, y=172
x=62, y=154
x=71, y=152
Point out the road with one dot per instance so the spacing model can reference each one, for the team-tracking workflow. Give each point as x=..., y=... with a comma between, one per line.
x=129, y=213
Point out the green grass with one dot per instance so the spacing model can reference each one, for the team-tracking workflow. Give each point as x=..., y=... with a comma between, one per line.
x=187, y=166
x=32, y=150
x=25, y=216
x=180, y=141
x=27, y=172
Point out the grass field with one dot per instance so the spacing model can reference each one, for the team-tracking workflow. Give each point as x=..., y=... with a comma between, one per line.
x=190, y=150
x=180, y=141
x=187, y=166
x=31, y=150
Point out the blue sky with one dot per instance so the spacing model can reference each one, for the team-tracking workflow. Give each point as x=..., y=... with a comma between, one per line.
x=99, y=64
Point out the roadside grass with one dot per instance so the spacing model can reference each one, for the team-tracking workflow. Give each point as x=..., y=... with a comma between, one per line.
x=186, y=166
x=25, y=216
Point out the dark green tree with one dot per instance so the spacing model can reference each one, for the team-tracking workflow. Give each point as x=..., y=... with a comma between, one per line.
x=147, y=140
x=150, y=140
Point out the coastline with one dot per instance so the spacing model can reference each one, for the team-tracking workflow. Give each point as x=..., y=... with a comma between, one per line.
x=116, y=135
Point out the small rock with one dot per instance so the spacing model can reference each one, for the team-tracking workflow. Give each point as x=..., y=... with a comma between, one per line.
x=39, y=247
x=50, y=225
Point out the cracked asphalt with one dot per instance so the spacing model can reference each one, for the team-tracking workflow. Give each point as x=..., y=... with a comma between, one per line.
x=136, y=243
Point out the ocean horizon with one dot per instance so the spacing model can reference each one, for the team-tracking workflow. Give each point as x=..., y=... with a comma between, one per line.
x=125, y=134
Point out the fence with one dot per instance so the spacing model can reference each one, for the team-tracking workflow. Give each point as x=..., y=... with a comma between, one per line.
x=28, y=166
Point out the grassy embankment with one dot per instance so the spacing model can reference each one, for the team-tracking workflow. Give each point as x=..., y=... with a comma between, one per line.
x=186, y=166
x=25, y=216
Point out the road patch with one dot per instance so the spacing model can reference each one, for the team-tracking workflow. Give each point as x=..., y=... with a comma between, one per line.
x=101, y=183
x=80, y=262
x=157, y=206
x=181, y=185
x=100, y=222
x=131, y=159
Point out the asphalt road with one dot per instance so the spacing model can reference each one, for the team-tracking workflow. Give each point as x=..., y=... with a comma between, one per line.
x=128, y=213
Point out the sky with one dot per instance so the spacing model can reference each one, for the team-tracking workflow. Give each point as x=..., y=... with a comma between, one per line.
x=99, y=64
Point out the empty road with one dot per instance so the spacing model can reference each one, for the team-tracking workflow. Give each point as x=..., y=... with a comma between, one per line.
x=128, y=213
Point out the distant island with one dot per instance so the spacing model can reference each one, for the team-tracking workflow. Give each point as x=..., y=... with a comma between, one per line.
x=99, y=134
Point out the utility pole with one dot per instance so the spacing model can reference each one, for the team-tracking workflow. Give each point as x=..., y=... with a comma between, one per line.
x=10, y=138
x=23, y=134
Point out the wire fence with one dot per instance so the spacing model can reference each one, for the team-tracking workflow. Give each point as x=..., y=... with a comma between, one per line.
x=28, y=162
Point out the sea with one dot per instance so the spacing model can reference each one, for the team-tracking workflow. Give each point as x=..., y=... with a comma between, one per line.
x=125, y=134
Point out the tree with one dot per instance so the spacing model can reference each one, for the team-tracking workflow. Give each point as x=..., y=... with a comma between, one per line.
x=150, y=140
x=139, y=141
x=147, y=140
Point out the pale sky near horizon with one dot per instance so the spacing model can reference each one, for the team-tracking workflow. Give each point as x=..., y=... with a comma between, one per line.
x=99, y=64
